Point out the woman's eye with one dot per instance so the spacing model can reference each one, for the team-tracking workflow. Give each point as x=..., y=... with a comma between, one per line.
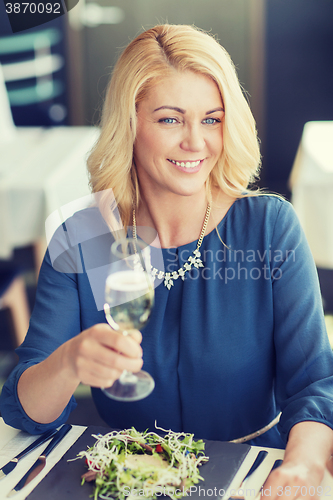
x=168, y=120
x=211, y=121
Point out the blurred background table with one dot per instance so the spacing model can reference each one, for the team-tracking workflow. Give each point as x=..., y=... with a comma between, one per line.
x=311, y=184
x=41, y=170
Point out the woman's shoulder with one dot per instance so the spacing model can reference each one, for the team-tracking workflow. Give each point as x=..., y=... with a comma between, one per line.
x=86, y=229
x=86, y=223
x=258, y=218
x=263, y=206
x=265, y=200
x=80, y=226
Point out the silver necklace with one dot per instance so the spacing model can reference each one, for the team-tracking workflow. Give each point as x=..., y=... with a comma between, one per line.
x=193, y=260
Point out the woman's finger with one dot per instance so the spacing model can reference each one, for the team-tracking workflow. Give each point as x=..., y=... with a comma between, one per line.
x=127, y=345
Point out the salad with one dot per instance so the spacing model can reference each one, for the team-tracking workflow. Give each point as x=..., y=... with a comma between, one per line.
x=129, y=463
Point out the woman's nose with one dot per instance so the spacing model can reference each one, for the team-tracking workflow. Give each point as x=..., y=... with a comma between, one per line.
x=193, y=139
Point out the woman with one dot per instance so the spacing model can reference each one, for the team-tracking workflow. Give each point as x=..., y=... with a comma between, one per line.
x=240, y=337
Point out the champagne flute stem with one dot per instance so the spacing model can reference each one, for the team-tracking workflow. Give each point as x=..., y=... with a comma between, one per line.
x=128, y=378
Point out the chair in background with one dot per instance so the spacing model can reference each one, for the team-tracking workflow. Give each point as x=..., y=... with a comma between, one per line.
x=7, y=126
x=13, y=296
x=32, y=73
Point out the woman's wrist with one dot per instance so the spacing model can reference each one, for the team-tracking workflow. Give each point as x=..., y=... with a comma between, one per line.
x=45, y=389
x=66, y=359
x=310, y=443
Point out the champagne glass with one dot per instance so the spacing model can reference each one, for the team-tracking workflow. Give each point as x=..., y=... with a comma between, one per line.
x=129, y=298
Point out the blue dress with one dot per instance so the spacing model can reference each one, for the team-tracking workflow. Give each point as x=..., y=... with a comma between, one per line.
x=229, y=347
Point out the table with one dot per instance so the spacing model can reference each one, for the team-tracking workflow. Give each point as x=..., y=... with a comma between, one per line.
x=311, y=183
x=63, y=480
x=13, y=442
x=41, y=170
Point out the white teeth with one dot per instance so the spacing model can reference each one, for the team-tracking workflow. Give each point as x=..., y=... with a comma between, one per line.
x=188, y=164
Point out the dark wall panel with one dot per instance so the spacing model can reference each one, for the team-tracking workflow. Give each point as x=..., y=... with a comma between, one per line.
x=299, y=79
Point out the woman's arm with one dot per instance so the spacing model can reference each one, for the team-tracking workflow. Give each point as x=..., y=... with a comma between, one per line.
x=96, y=357
x=308, y=450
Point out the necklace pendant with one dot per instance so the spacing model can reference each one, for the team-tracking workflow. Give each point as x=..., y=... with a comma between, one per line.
x=168, y=281
x=187, y=266
x=194, y=260
x=181, y=273
x=198, y=263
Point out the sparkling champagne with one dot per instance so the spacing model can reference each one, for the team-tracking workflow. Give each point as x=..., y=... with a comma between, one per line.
x=130, y=296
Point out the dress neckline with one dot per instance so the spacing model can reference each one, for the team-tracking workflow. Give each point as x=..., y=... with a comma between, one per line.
x=194, y=242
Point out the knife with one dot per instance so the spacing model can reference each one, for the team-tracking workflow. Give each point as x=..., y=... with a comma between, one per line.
x=6, y=469
x=259, y=459
x=40, y=463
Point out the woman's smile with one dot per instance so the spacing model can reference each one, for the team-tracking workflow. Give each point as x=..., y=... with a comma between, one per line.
x=188, y=165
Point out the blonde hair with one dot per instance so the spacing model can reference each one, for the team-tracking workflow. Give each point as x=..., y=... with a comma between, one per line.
x=146, y=60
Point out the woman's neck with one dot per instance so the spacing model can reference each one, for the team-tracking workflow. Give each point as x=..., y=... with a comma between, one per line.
x=178, y=220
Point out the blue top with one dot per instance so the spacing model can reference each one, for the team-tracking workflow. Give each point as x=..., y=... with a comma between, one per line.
x=229, y=347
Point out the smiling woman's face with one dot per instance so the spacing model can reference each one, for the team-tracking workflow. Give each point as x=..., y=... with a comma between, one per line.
x=179, y=134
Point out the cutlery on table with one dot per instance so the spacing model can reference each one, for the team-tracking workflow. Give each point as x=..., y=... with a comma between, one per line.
x=40, y=463
x=258, y=488
x=6, y=469
x=277, y=463
x=259, y=459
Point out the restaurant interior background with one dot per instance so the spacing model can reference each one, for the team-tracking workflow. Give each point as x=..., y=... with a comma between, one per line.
x=283, y=51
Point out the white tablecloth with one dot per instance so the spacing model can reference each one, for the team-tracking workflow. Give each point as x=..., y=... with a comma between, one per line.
x=311, y=183
x=41, y=170
x=13, y=442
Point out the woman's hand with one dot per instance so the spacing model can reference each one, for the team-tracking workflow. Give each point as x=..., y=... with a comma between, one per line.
x=95, y=357
x=307, y=455
x=291, y=481
x=98, y=355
